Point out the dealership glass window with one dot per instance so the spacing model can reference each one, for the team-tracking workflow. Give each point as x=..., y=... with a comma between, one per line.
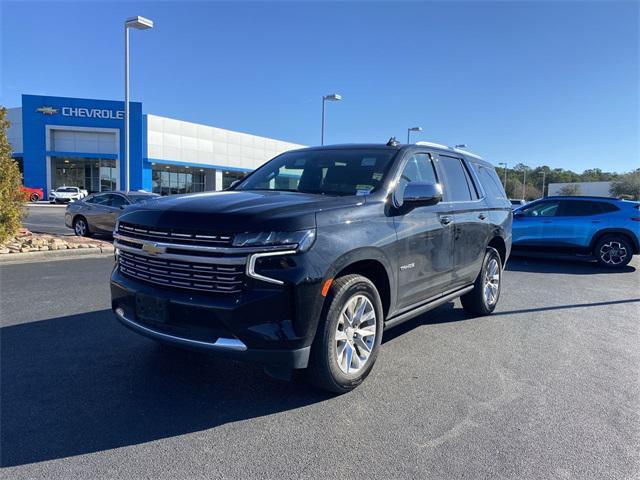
x=174, y=179
x=91, y=174
x=229, y=177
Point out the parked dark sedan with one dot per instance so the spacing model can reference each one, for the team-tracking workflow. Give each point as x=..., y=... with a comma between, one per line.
x=98, y=212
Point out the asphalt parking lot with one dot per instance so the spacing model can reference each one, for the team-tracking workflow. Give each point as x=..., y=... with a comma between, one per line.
x=547, y=387
x=46, y=218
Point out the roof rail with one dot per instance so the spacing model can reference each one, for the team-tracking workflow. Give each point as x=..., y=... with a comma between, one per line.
x=457, y=150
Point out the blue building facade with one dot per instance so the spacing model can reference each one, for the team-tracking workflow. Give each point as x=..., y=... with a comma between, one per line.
x=80, y=142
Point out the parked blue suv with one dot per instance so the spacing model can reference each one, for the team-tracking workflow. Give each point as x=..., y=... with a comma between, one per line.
x=606, y=228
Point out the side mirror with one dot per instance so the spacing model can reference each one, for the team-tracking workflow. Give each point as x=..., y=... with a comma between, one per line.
x=419, y=194
x=518, y=214
x=122, y=207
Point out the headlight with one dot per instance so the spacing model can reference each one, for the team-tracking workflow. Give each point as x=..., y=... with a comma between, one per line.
x=303, y=239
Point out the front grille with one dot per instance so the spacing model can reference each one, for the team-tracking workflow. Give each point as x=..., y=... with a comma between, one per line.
x=204, y=277
x=172, y=235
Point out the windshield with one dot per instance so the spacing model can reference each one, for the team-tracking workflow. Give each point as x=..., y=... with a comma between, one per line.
x=67, y=189
x=327, y=172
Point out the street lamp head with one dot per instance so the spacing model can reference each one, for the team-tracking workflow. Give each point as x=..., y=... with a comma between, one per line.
x=461, y=145
x=415, y=129
x=139, y=23
x=334, y=97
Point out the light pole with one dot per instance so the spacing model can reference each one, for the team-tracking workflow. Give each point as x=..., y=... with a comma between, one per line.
x=544, y=174
x=505, y=176
x=139, y=23
x=412, y=129
x=524, y=181
x=334, y=97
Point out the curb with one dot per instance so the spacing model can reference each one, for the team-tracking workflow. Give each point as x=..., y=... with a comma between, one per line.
x=46, y=205
x=51, y=255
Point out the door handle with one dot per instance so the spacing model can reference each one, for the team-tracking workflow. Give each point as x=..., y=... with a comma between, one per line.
x=547, y=221
x=596, y=221
x=446, y=220
x=482, y=216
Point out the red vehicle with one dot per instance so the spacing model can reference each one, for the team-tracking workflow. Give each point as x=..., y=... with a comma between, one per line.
x=33, y=194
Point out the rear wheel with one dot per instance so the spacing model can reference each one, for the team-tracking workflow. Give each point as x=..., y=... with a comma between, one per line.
x=613, y=251
x=34, y=197
x=482, y=300
x=348, y=337
x=81, y=227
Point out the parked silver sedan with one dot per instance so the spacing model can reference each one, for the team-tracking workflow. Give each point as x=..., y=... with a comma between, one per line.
x=98, y=212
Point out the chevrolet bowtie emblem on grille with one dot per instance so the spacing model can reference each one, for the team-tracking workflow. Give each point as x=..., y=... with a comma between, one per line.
x=47, y=110
x=153, y=248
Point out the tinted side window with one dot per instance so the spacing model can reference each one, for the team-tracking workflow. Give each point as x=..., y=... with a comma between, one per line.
x=542, y=209
x=607, y=207
x=491, y=182
x=579, y=208
x=118, y=201
x=101, y=200
x=456, y=186
x=418, y=168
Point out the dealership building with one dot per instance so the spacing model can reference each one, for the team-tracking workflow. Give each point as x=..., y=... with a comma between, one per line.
x=80, y=142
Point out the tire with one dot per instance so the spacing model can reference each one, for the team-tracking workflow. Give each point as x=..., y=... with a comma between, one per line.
x=482, y=300
x=340, y=372
x=613, y=251
x=81, y=226
x=34, y=197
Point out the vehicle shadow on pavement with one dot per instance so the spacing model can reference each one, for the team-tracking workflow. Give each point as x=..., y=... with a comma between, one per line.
x=561, y=265
x=446, y=313
x=83, y=383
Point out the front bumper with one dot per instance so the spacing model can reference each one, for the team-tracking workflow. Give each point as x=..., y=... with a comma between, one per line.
x=255, y=325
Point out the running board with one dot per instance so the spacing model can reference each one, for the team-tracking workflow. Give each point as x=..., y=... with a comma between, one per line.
x=426, y=307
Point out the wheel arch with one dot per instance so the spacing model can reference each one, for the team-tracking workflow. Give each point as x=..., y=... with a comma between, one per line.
x=500, y=245
x=373, y=264
x=629, y=235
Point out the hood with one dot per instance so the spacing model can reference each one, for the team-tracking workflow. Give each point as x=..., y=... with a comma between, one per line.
x=65, y=194
x=235, y=211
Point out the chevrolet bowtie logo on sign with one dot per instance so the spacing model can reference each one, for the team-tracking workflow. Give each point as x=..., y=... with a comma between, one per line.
x=153, y=248
x=47, y=110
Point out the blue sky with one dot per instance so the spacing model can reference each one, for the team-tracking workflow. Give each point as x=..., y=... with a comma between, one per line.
x=552, y=83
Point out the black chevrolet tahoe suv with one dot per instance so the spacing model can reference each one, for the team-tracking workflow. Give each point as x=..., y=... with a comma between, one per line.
x=305, y=262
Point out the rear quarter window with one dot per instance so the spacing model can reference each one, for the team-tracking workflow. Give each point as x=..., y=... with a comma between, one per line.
x=491, y=183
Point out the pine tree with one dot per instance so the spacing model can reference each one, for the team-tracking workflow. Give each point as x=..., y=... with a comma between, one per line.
x=11, y=196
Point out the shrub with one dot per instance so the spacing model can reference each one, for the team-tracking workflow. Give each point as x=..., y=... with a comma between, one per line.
x=627, y=185
x=11, y=196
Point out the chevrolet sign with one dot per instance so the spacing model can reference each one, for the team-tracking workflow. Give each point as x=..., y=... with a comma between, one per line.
x=153, y=248
x=47, y=110
x=103, y=113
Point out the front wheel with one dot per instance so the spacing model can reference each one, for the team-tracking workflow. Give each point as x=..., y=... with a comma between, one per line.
x=34, y=197
x=613, y=251
x=81, y=227
x=349, y=335
x=482, y=300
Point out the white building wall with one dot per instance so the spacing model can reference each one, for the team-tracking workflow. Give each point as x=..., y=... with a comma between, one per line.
x=594, y=189
x=179, y=141
x=14, y=133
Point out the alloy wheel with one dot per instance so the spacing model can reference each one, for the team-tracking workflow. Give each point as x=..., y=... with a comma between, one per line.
x=80, y=228
x=492, y=282
x=613, y=253
x=355, y=334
